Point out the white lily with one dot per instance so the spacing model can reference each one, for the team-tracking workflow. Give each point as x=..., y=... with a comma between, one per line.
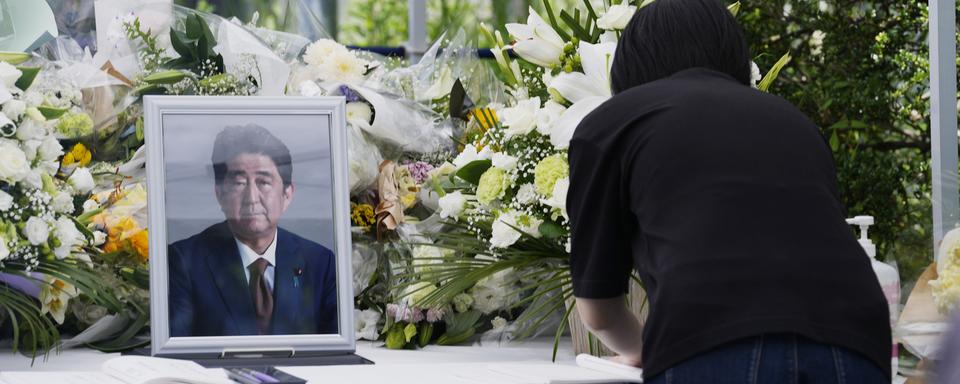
x=617, y=17
x=537, y=42
x=586, y=90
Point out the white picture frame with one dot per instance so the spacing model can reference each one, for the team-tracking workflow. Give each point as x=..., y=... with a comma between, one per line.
x=329, y=109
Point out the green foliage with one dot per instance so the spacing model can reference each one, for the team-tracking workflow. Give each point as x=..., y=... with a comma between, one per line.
x=865, y=87
x=195, y=47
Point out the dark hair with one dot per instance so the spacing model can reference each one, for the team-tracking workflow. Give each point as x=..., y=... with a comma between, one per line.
x=668, y=36
x=237, y=140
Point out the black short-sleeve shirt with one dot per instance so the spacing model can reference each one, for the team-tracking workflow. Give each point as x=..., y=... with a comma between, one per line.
x=724, y=199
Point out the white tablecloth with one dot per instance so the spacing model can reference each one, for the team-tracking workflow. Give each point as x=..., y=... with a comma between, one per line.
x=433, y=364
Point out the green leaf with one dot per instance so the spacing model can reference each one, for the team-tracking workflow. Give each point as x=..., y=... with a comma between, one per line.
x=395, y=338
x=734, y=8
x=425, y=334
x=51, y=113
x=194, y=26
x=645, y=3
x=409, y=332
x=29, y=74
x=472, y=171
x=551, y=230
x=771, y=75
x=834, y=141
x=14, y=58
x=179, y=42
x=150, y=89
x=165, y=77
x=552, y=18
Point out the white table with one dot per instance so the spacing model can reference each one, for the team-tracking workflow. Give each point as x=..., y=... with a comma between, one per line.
x=433, y=364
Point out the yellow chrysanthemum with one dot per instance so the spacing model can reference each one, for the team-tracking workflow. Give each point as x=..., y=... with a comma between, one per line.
x=362, y=215
x=78, y=155
x=139, y=243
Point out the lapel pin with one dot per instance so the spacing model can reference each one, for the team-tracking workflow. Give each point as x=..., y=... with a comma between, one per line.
x=297, y=272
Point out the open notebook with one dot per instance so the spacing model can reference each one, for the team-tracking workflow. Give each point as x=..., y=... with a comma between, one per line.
x=127, y=370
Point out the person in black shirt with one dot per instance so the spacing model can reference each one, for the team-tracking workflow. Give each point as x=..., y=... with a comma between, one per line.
x=724, y=200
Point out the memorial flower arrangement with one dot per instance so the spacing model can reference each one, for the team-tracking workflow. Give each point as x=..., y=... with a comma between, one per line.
x=44, y=249
x=504, y=193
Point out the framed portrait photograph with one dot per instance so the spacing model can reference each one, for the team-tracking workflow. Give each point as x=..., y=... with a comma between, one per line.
x=248, y=213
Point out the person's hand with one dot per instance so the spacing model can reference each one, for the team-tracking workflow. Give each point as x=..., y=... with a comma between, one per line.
x=633, y=361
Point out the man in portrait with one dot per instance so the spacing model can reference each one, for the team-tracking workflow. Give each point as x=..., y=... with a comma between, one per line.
x=246, y=275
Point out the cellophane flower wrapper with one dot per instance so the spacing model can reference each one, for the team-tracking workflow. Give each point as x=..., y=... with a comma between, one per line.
x=114, y=47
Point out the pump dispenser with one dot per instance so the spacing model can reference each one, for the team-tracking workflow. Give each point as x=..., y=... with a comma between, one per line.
x=887, y=276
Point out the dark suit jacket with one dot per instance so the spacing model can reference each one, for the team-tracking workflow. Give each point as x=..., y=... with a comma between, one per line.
x=209, y=295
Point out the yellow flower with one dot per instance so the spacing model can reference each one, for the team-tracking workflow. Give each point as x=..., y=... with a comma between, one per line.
x=408, y=187
x=78, y=155
x=140, y=245
x=362, y=215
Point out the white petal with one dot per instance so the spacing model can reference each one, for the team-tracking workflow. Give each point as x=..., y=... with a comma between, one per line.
x=520, y=31
x=567, y=124
x=597, y=59
x=576, y=86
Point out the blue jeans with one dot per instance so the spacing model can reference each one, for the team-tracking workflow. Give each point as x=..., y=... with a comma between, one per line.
x=775, y=358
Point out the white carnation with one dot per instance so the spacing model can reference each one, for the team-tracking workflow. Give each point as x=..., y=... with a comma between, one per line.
x=520, y=119
x=6, y=201
x=452, y=205
x=14, y=109
x=30, y=148
x=50, y=149
x=504, y=161
x=81, y=180
x=36, y=230
x=62, y=203
x=9, y=74
x=13, y=163
x=69, y=236
x=469, y=155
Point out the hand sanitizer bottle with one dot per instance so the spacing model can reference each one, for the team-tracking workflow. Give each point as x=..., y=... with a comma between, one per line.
x=886, y=274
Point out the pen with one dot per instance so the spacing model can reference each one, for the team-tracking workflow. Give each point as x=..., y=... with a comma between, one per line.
x=263, y=377
x=241, y=377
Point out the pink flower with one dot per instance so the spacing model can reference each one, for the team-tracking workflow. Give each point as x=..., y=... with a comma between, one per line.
x=434, y=315
x=420, y=171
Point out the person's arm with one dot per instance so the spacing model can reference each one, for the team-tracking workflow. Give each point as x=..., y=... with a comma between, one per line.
x=613, y=323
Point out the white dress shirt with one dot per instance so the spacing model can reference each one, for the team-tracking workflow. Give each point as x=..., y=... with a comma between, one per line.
x=248, y=256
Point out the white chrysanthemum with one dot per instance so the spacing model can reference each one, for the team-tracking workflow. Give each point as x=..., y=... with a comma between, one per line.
x=36, y=230
x=342, y=67
x=321, y=50
x=34, y=179
x=816, y=42
x=359, y=113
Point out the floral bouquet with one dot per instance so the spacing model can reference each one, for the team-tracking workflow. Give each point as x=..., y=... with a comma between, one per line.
x=504, y=193
x=44, y=249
